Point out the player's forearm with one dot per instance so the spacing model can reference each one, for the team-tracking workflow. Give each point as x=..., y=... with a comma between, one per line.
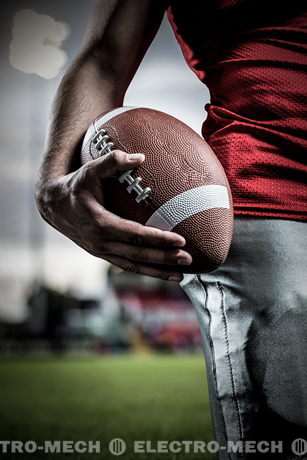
x=117, y=38
x=85, y=91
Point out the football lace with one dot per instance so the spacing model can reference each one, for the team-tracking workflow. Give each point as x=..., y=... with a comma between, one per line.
x=103, y=146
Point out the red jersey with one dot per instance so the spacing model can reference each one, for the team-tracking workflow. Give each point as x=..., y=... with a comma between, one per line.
x=252, y=56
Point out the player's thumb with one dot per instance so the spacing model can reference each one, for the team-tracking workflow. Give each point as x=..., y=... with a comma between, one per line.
x=116, y=161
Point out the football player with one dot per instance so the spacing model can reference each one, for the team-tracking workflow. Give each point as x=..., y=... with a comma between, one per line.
x=252, y=310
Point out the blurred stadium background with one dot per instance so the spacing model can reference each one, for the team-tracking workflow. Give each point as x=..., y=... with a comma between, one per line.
x=66, y=318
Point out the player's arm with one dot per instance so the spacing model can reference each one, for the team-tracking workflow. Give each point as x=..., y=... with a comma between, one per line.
x=69, y=197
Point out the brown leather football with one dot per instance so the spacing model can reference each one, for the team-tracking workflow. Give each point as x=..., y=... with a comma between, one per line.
x=181, y=185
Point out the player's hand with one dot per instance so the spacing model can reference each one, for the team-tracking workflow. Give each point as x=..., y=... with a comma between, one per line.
x=73, y=204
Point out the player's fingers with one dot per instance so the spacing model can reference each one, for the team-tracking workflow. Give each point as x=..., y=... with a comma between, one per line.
x=137, y=234
x=143, y=269
x=149, y=255
x=112, y=163
x=115, y=228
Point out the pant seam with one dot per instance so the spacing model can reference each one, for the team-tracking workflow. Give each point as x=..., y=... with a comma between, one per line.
x=213, y=360
x=232, y=380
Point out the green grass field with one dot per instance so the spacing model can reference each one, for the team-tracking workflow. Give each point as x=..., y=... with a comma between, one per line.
x=100, y=398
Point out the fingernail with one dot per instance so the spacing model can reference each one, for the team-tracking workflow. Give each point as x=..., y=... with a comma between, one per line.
x=183, y=261
x=176, y=245
x=175, y=278
x=135, y=156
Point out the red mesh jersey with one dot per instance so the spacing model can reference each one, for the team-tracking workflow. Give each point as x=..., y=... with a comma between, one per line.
x=252, y=56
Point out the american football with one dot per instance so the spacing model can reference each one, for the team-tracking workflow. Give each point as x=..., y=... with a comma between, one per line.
x=181, y=186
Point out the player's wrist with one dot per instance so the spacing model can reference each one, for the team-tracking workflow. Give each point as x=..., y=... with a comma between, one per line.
x=48, y=194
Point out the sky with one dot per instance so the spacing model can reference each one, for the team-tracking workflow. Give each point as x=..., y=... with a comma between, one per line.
x=29, y=247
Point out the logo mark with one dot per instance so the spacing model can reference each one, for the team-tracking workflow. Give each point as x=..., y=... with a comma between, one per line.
x=117, y=446
x=299, y=447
